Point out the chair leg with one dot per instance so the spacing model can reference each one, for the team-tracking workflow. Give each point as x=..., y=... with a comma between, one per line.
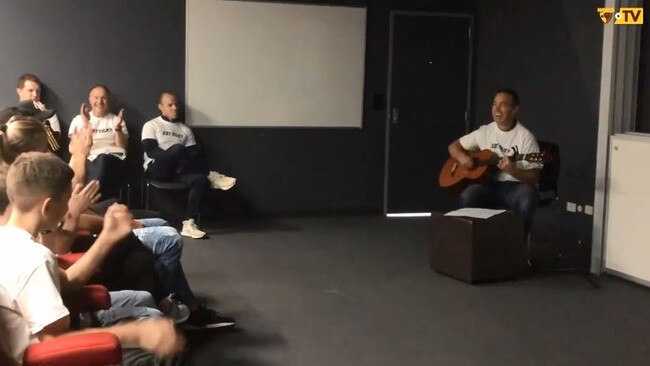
x=126, y=200
x=146, y=196
x=128, y=194
x=528, y=248
x=143, y=200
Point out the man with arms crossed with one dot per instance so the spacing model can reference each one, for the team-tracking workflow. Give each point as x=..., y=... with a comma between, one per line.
x=171, y=154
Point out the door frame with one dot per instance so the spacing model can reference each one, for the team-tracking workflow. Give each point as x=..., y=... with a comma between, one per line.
x=389, y=105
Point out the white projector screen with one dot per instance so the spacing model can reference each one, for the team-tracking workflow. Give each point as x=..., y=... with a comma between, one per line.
x=254, y=64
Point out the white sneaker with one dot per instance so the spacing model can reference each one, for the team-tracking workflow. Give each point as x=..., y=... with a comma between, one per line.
x=220, y=181
x=174, y=309
x=190, y=229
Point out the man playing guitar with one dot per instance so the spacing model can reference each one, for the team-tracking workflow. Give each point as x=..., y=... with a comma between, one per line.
x=514, y=186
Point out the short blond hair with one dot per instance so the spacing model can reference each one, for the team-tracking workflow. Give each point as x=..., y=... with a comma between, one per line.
x=37, y=175
x=21, y=134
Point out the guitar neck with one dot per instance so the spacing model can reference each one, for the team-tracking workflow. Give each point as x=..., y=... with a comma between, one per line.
x=494, y=160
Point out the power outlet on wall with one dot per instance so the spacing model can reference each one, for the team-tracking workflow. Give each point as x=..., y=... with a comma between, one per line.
x=571, y=206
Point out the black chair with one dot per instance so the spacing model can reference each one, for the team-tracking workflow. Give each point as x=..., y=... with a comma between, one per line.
x=550, y=174
x=147, y=183
x=125, y=194
x=548, y=190
x=548, y=178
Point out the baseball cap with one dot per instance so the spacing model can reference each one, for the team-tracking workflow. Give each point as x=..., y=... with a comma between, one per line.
x=26, y=108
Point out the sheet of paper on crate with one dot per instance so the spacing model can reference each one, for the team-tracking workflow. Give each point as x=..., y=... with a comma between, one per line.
x=479, y=213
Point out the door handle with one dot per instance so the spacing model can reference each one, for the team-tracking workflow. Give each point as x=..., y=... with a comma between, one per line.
x=395, y=116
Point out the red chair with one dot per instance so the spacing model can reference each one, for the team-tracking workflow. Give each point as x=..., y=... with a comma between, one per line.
x=93, y=349
x=67, y=260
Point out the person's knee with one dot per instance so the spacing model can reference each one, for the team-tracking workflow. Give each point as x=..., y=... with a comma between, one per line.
x=144, y=298
x=173, y=243
x=153, y=222
x=471, y=196
x=101, y=158
x=152, y=312
x=175, y=150
x=107, y=166
x=527, y=198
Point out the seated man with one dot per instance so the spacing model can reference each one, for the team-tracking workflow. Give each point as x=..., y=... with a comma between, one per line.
x=110, y=137
x=29, y=97
x=171, y=154
x=153, y=236
x=125, y=304
x=38, y=188
x=515, y=184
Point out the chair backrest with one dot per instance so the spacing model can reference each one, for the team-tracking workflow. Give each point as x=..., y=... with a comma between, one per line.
x=550, y=173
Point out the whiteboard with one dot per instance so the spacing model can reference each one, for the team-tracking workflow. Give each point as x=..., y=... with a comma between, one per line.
x=254, y=64
x=627, y=226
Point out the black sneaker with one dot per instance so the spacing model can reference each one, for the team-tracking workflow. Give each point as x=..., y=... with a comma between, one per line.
x=206, y=318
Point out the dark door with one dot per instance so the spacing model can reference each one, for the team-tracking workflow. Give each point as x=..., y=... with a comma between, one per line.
x=428, y=89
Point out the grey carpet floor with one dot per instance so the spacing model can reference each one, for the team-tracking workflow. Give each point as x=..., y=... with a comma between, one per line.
x=358, y=291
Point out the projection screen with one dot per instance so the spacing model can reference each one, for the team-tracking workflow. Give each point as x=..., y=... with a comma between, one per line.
x=255, y=64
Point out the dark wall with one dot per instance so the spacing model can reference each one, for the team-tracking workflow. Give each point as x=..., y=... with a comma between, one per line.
x=137, y=49
x=134, y=47
x=550, y=52
x=311, y=170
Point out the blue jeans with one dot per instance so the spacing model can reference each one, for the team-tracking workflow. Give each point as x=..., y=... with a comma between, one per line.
x=165, y=242
x=128, y=304
x=519, y=197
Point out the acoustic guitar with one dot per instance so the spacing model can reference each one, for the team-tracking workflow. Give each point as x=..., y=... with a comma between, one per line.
x=453, y=173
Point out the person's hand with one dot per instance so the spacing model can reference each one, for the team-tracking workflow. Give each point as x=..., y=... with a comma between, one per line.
x=82, y=137
x=81, y=142
x=467, y=162
x=85, y=116
x=118, y=223
x=39, y=105
x=137, y=224
x=507, y=165
x=120, y=120
x=159, y=337
x=82, y=197
x=119, y=135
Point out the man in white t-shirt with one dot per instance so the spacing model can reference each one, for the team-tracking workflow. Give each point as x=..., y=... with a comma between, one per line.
x=110, y=138
x=31, y=308
x=514, y=186
x=171, y=154
x=29, y=89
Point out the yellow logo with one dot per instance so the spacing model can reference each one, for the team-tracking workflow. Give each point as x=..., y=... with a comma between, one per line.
x=623, y=16
x=606, y=14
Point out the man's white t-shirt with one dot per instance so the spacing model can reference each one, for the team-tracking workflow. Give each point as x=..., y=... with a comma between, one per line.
x=167, y=134
x=103, y=135
x=30, y=297
x=502, y=143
